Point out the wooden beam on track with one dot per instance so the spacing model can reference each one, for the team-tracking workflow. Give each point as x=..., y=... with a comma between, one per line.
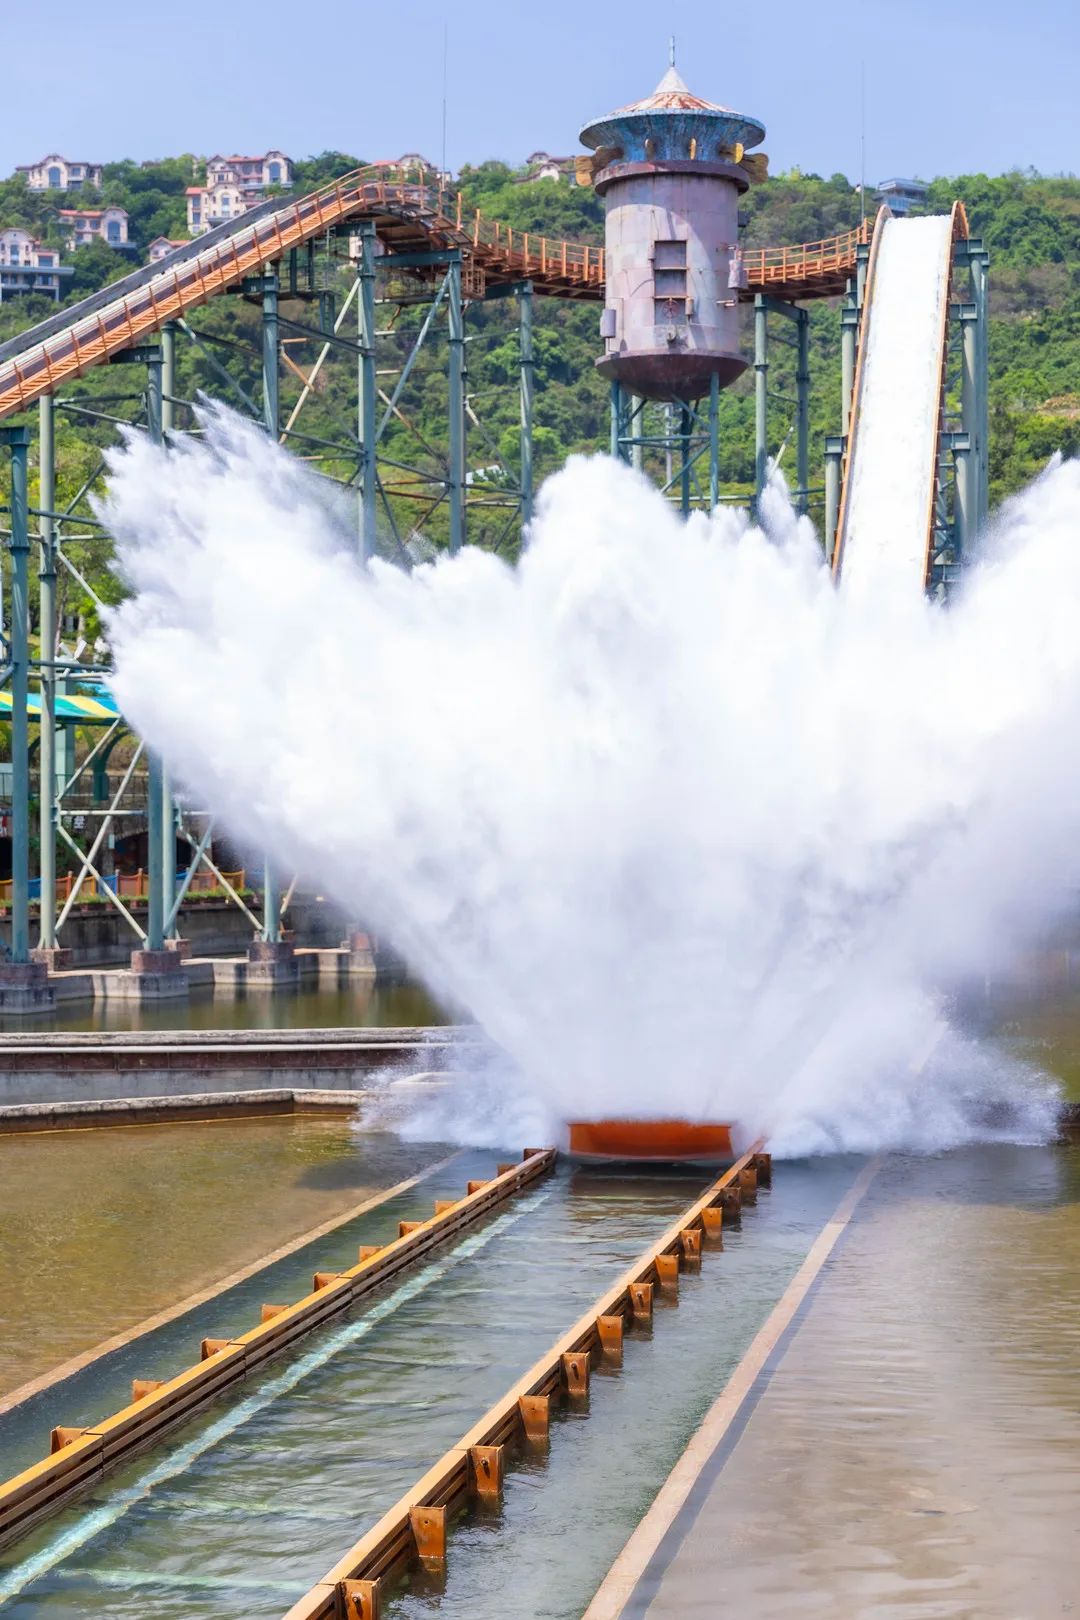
x=80, y=1457
x=393, y=1548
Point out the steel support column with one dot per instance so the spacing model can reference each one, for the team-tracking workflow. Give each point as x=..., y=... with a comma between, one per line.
x=47, y=640
x=271, y=928
x=367, y=426
x=968, y=461
x=169, y=807
x=761, y=394
x=802, y=412
x=156, y=795
x=714, y=442
x=980, y=260
x=686, y=422
x=849, y=339
x=834, y=458
x=635, y=427
x=528, y=379
x=455, y=481
x=18, y=441
x=168, y=378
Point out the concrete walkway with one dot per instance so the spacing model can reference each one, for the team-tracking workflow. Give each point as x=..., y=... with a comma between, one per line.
x=910, y=1445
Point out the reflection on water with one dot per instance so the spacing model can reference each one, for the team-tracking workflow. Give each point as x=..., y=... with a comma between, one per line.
x=102, y=1228
x=1035, y=1013
x=360, y=1005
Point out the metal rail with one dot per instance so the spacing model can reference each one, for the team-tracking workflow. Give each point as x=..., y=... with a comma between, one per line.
x=82, y=1456
x=408, y=209
x=413, y=1532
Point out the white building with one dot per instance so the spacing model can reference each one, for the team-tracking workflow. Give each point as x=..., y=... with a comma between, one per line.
x=55, y=173
x=27, y=265
x=542, y=166
x=208, y=206
x=249, y=173
x=161, y=247
x=86, y=225
x=902, y=195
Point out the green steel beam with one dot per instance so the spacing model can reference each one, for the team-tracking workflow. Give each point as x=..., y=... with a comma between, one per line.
x=271, y=921
x=761, y=394
x=802, y=413
x=455, y=479
x=686, y=423
x=17, y=440
x=835, y=445
x=367, y=427
x=528, y=377
x=47, y=632
x=155, y=770
x=714, y=441
x=411, y=261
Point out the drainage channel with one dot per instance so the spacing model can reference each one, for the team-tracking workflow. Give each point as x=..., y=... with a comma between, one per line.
x=252, y=1502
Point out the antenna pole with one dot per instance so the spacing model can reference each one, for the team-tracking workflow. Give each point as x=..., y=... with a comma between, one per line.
x=862, y=138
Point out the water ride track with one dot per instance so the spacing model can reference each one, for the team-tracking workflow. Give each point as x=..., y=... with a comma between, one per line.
x=410, y=213
x=934, y=411
x=412, y=1534
x=81, y=1457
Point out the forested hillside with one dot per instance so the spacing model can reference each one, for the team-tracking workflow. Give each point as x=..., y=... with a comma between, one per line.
x=1030, y=224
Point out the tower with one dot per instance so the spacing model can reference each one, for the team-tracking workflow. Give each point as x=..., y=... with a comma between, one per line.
x=671, y=169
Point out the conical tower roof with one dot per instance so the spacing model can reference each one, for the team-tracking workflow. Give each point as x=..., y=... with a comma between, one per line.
x=671, y=95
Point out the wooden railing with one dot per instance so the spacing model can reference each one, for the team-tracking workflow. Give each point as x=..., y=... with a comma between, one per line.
x=128, y=885
x=556, y=266
x=805, y=261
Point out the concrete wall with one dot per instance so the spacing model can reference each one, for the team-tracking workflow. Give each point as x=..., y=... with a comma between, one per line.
x=94, y=1067
x=100, y=937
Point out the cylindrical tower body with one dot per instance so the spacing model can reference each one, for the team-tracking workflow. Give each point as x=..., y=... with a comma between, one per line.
x=671, y=171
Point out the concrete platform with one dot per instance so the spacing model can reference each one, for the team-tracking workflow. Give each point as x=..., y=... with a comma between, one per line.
x=95, y=1066
x=904, y=1435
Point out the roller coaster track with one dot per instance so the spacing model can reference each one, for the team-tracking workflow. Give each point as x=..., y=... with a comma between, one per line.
x=890, y=415
x=410, y=213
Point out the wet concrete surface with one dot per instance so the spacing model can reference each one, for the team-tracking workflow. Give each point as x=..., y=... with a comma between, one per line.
x=916, y=1453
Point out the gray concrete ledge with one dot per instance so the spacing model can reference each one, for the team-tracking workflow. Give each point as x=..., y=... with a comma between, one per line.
x=100, y=1066
x=46, y=1116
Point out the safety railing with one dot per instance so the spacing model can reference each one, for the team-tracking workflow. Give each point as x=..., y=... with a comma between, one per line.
x=91, y=340
x=806, y=261
x=129, y=885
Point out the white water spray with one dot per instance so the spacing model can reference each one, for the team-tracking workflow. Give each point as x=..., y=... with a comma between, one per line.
x=687, y=829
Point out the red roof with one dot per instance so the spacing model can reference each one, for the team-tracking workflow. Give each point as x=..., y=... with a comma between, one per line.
x=671, y=95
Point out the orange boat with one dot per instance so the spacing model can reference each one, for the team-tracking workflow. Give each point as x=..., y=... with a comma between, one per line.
x=660, y=1141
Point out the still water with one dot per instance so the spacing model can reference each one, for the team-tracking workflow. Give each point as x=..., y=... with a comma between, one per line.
x=100, y=1229
x=382, y=1007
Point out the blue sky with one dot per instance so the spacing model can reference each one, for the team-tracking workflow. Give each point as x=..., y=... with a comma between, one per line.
x=986, y=87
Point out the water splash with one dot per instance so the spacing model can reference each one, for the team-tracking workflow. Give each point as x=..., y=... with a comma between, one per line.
x=687, y=829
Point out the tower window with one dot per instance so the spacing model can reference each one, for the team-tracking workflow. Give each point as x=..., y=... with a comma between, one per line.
x=669, y=284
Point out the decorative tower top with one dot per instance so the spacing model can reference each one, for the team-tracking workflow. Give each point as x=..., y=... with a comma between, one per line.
x=670, y=125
